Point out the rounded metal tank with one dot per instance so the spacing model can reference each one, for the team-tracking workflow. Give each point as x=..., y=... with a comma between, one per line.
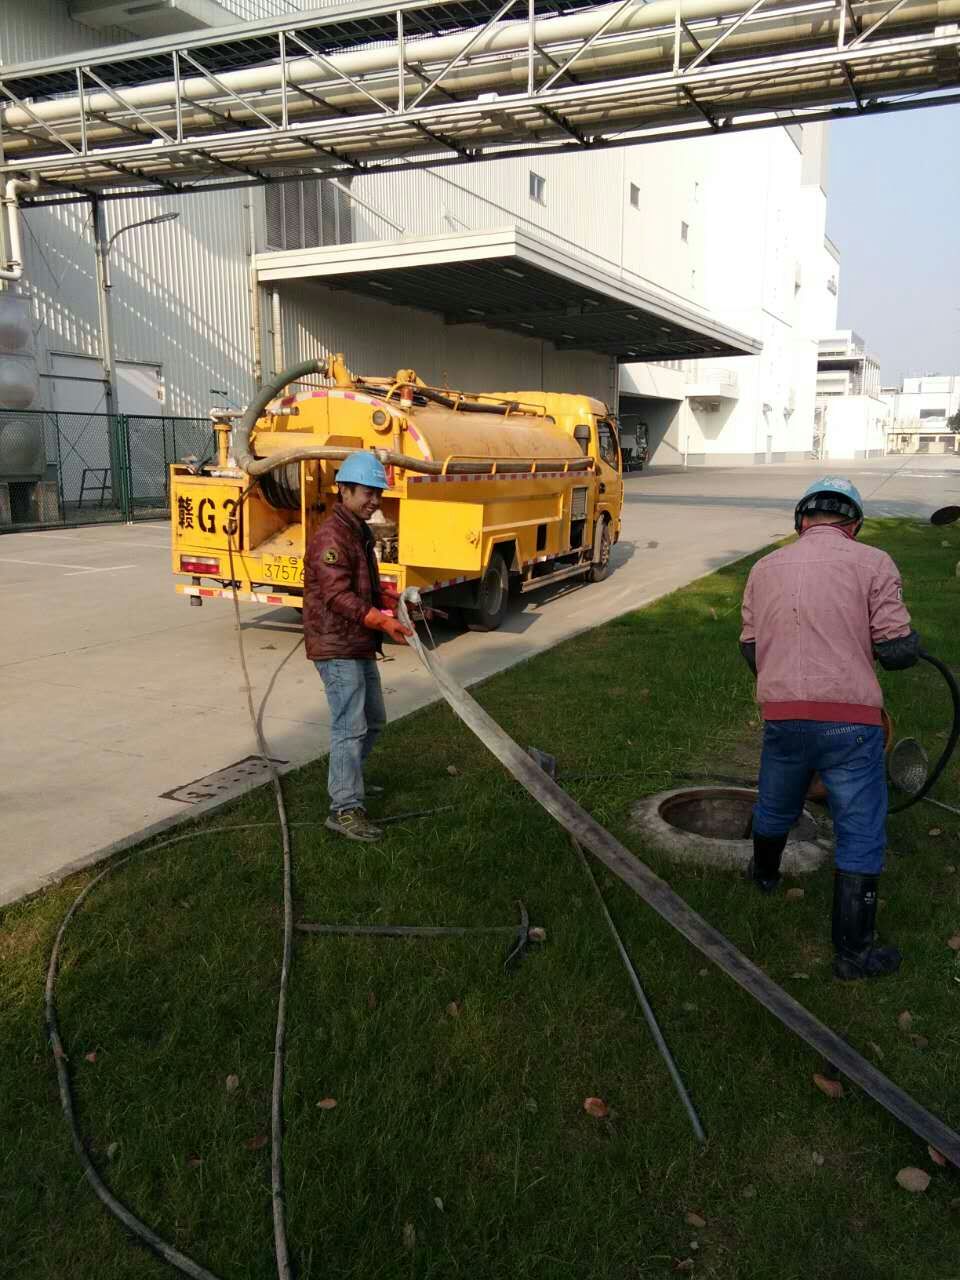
x=442, y=433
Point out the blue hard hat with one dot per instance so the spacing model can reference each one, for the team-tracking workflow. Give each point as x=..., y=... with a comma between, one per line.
x=833, y=494
x=363, y=468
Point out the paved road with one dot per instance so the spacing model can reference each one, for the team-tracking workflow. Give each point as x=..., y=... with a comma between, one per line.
x=116, y=692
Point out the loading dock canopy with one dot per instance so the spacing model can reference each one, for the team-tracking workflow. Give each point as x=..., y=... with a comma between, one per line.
x=510, y=279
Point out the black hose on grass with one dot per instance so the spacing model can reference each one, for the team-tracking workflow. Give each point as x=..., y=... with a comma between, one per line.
x=952, y=740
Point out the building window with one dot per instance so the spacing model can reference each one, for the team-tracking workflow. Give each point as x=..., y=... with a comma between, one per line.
x=607, y=440
x=538, y=188
x=634, y=195
x=933, y=413
x=684, y=231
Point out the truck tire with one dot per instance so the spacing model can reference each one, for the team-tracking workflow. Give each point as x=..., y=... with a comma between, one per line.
x=601, y=568
x=493, y=596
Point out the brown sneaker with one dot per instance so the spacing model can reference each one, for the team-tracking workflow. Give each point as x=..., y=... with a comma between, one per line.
x=354, y=824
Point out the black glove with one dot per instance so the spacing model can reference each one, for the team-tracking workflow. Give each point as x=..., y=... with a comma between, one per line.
x=749, y=650
x=898, y=654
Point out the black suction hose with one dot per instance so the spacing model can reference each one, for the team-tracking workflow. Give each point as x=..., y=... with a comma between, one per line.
x=951, y=741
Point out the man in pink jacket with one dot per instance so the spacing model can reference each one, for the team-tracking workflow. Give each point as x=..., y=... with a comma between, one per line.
x=816, y=613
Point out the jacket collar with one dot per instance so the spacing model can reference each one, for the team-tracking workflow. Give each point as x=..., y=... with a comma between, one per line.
x=355, y=525
x=830, y=528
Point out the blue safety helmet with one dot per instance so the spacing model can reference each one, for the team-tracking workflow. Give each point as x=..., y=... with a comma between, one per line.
x=833, y=494
x=363, y=468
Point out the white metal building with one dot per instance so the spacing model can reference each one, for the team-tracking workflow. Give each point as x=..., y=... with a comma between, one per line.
x=547, y=270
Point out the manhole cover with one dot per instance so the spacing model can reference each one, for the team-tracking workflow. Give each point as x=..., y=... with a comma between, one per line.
x=246, y=773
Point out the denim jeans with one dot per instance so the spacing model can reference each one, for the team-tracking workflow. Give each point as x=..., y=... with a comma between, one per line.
x=357, y=715
x=850, y=760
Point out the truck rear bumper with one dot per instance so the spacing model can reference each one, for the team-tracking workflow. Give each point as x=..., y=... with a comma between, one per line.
x=245, y=597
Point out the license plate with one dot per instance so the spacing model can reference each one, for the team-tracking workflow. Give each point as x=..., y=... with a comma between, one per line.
x=287, y=569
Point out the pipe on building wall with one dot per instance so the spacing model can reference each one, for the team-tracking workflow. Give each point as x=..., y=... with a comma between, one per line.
x=276, y=326
x=13, y=271
x=256, y=340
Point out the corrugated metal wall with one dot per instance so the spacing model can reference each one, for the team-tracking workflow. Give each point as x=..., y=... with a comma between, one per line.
x=32, y=29
x=378, y=338
x=180, y=291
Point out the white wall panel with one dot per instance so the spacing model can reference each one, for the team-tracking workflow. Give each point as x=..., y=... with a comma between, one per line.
x=377, y=339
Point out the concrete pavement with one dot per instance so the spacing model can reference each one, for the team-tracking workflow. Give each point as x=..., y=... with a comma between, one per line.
x=116, y=693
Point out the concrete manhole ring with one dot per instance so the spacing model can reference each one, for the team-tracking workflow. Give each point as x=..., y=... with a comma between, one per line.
x=705, y=826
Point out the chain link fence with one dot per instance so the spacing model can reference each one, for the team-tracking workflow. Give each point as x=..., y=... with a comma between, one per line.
x=91, y=468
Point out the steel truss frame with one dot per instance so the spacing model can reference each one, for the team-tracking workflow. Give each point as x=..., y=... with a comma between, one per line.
x=274, y=101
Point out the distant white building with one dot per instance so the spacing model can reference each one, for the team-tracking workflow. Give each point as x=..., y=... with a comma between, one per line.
x=851, y=415
x=920, y=412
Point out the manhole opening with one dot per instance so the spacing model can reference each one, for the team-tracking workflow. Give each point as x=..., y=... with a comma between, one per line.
x=721, y=813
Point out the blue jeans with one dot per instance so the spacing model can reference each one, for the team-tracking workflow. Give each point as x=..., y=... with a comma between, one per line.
x=849, y=758
x=357, y=715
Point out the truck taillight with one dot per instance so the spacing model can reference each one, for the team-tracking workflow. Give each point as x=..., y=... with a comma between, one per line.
x=200, y=564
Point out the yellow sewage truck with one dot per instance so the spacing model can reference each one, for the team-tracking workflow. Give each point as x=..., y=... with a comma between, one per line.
x=490, y=493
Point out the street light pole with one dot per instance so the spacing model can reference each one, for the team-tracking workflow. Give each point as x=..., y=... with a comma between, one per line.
x=102, y=251
x=102, y=246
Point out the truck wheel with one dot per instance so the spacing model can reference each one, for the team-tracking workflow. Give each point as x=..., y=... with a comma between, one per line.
x=601, y=568
x=493, y=596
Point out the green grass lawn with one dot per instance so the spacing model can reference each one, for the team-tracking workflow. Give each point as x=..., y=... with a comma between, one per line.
x=459, y=1145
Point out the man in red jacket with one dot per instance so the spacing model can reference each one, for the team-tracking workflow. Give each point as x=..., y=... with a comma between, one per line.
x=815, y=615
x=344, y=625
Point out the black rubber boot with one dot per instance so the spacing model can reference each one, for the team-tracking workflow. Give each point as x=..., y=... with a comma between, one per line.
x=764, y=867
x=856, y=954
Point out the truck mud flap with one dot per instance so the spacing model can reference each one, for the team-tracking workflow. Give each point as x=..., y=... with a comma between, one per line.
x=672, y=908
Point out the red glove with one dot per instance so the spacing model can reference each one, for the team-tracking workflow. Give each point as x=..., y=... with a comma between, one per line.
x=377, y=621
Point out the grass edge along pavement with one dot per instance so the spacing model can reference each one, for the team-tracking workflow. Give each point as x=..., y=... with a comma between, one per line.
x=169, y=983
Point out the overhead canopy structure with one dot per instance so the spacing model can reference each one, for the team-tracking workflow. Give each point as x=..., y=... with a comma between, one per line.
x=374, y=85
x=510, y=279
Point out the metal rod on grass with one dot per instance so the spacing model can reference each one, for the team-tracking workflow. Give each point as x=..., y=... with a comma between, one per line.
x=644, y=1003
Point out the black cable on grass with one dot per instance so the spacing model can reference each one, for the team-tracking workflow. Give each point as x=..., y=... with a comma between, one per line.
x=168, y=1252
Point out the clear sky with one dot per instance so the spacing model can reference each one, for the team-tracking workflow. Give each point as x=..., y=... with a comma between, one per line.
x=893, y=210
